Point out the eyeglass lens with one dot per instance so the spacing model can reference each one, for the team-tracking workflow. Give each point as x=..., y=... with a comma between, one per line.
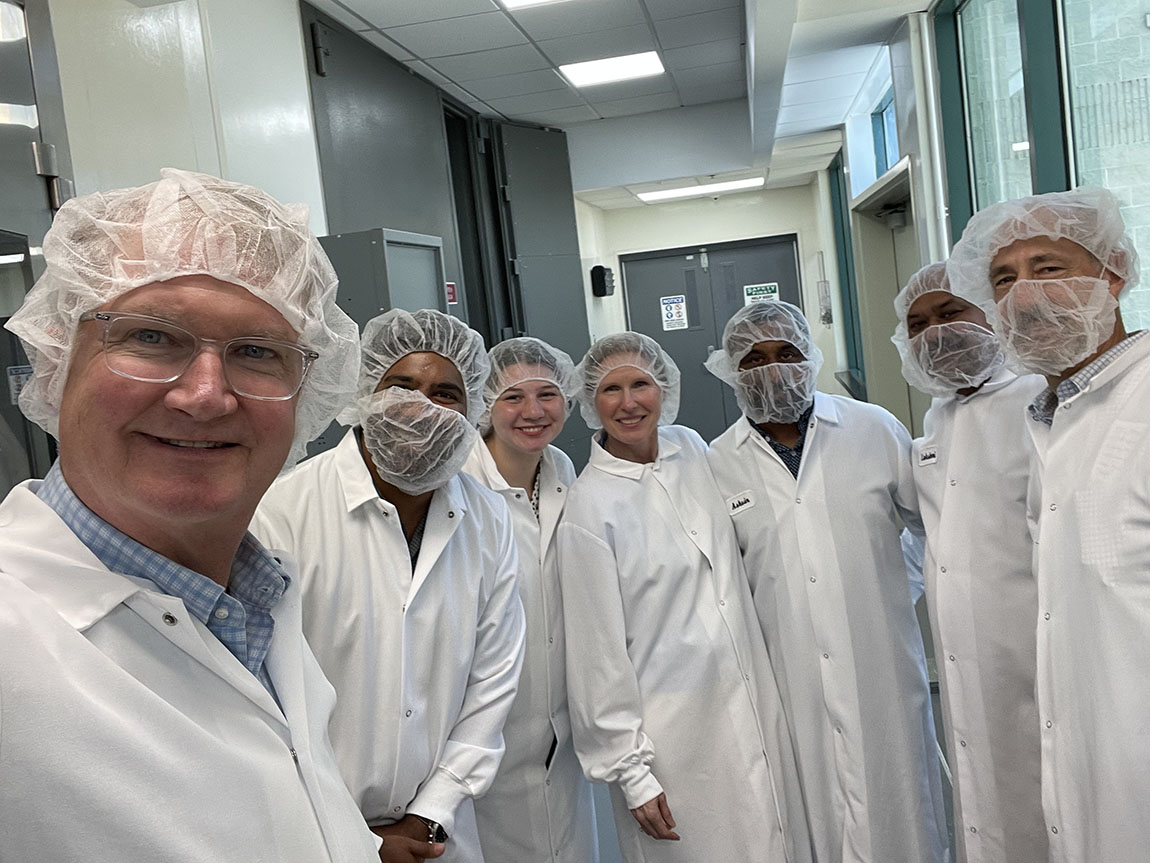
x=151, y=350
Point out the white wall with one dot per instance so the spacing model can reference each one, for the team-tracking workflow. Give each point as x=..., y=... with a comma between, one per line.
x=604, y=235
x=208, y=85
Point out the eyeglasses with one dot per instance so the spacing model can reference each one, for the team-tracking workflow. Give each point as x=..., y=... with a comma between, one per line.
x=153, y=350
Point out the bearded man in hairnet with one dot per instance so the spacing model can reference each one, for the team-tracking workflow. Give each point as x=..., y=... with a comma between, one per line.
x=157, y=699
x=816, y=485
x=971, y=468
x=1049, y=270
x=411, y=603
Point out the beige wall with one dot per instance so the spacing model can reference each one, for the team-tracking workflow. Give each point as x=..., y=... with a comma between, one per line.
x=604, y=235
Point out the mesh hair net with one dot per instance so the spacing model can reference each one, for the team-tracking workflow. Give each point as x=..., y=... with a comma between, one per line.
x=945, y=357
x=627, y=349
x=390, y=337
x=763, y=321
x=1087, y=216
x=103, y=245
x=526, y=359
x=415, y=444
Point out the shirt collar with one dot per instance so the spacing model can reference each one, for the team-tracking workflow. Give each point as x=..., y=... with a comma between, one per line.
x=825, y=410
x=1046, y=402
x=608, y=463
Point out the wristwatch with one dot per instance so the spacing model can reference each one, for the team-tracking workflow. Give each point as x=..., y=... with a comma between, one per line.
x=435, y=831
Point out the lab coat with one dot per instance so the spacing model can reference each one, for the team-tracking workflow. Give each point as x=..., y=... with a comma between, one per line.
x=128, y=732
x=535, y=813
x=1090, y=496
x=831, y=590
x=669, y=681
x=970, y=469
x=425, y=664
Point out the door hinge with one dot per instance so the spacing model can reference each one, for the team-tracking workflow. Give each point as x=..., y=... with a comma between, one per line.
x=322, y=51
x=505, y=190
x=515, y=266
x=703, y=260
x=44, y=158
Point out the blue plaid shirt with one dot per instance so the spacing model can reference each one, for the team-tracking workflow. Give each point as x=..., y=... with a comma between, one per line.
x=1046, y=403
x=239, y=617
x=792, y=457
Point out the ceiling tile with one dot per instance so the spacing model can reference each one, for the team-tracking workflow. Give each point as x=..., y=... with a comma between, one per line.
x=464, y=96
x=554, y=20
x=394, y=49
x=704, y=54
x=722, y=73
x=396, y=13
x=637, y=105
x=560, y=117
x=533, y=103
x=702, y=93
x=663, y=9
x=829, y=64
x=831, y=111
x=704, y=27
x=458, y=35
x=822, y=90
x=425, y=71
x=627, y=89
x=489, y=64
x=517, y=85
x=595, y=46
x=340, y=13
x=597, y=196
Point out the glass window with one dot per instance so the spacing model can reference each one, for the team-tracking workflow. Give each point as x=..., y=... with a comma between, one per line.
x=884, y=127
x=991, y=56
x=1109, y=68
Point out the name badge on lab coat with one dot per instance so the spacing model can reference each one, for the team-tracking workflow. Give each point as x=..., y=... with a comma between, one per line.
x=927, y=456
x=739, y=502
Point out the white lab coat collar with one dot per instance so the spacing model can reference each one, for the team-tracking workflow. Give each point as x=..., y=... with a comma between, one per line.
x=825, y=411
x=608, y=463
x=358, y=487
x=1136, y=353
x=52, y=561
x=997, y=381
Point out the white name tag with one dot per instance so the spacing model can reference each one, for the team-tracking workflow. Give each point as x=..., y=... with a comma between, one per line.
x=927, y=456
x=739, y=502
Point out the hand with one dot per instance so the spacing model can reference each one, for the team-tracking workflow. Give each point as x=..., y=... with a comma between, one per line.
x=655, y=819
x=405, y=841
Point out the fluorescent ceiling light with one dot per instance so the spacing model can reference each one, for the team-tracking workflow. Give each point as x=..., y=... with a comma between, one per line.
x=519, y=4
x=612, y=69
x=1019, y=146
x=699, y=191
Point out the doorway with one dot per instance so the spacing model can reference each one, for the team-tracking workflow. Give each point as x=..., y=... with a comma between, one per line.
x=684, y=297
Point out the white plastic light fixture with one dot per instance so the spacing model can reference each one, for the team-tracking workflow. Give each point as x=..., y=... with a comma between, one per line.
x=610, y=69
x=701, y=191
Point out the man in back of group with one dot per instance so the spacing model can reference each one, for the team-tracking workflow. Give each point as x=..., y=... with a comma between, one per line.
x=971, y=468
x=815, y=485
x=157, y=700
x=1049, y=270
x=408, y=569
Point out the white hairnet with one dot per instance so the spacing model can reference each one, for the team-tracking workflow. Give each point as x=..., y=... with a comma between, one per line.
x=775, y=392
x=627, y=349
x=103, y=245
x=1088, y=216
x=946, y=357
x=762, y=321
x=415, y=444
x=389, y=337
x=526, y=359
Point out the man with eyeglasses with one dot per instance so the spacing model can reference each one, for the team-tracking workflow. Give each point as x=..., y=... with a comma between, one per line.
x=157, y=699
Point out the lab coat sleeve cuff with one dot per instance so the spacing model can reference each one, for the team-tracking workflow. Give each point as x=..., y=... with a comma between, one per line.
x=439, y=797
x=640, y=789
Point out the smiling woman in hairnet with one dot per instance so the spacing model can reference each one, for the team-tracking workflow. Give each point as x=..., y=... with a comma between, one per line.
x=409, y=583
x=539, y=807
x=970, y=469
x=673, y=701
x=815, y=485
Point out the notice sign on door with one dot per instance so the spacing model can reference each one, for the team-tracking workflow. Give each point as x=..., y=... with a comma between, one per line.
x=18, y=376
x=452, y=293
x=754, y=293
x=674, y=312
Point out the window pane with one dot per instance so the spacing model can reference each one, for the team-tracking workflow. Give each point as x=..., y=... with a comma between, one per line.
x=890, y=134
x=995, y=106
x=1109, y=65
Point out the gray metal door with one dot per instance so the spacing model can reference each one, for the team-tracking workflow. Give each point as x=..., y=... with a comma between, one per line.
x=713, y=282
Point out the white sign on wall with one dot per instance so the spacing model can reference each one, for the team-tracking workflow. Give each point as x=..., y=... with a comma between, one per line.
x=754, y=293
x=18, y=376
x=673, y=312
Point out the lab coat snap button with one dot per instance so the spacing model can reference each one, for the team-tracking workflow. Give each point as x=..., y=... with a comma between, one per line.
x=170, y=618
x=451, y=513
